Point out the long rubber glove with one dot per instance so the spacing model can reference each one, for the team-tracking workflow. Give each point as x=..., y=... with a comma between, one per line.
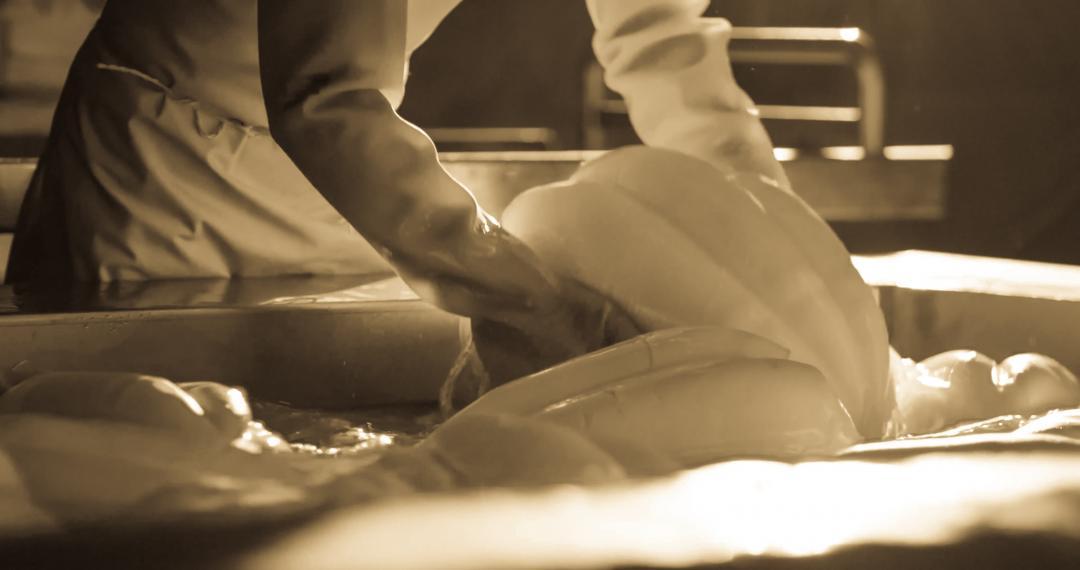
x=323, y=65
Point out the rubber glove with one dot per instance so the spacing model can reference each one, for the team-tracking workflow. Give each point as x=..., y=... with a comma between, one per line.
x=322, y=72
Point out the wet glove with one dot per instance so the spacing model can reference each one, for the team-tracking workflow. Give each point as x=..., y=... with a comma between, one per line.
x=324, y=73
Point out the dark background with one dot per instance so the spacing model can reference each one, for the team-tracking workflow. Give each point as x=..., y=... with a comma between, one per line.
x=997, y=79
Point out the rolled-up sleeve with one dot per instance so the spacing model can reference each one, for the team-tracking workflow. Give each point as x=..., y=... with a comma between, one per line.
x=672, y=68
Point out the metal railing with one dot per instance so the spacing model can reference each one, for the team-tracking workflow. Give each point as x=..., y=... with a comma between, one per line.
x=487, y=138
x=847, y=47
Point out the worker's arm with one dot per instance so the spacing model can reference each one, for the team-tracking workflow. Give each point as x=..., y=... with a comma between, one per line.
x=672, y=68
x=323, y=65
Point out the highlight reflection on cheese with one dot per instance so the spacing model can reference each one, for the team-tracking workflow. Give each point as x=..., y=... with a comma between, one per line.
x=959, y=385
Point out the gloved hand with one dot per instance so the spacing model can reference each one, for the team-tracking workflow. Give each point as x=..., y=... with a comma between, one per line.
x=506, y=345
x=524, y=317
x=322, y=73
x=577, y=321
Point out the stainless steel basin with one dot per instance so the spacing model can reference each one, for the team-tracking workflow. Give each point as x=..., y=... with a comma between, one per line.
x=367, y=340
x=313, y=342
x=321, y=342
x=346, y=342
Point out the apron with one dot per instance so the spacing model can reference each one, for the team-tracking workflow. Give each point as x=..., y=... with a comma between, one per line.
x=159, y=163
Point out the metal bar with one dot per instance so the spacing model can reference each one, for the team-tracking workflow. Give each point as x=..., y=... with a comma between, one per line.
x=850, y=47
x=840, y=183
x=762, y=54
x=809, y=113
x=824, y=46
x=871, y=81
x=594, y=104
x=801, y=34
x=545, y=137
x=773, y=112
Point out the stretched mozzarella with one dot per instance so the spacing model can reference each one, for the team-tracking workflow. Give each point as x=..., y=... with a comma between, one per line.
x=852, y=296
x=644, y=354
x=698, y=414
x=677, y=243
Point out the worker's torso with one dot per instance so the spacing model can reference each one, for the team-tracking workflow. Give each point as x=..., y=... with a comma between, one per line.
x=205, y=50
x=159, y=164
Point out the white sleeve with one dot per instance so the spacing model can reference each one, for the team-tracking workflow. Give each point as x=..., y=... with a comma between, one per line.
x=671, y=66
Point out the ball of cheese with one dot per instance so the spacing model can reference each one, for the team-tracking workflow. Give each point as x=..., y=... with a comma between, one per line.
x=148, y=401
x=964, y=385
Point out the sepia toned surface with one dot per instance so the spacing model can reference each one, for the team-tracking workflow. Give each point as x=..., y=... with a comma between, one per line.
x=941, y=126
